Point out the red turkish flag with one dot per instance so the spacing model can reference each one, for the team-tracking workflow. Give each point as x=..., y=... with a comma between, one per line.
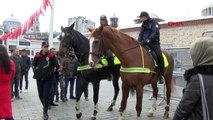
x=40, y=11
x=34, y=16
x=46, y=3
x=24, y=28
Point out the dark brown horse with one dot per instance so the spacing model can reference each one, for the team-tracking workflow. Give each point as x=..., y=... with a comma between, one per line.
x=72, y=39
x=138, y=67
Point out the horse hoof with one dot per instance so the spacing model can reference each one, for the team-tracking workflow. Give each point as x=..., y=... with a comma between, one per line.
x=110, y=108
x=150, y=115
x=166, y=115
x=79, y=115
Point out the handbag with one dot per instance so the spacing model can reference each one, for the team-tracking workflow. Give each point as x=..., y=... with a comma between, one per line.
x=203, y=98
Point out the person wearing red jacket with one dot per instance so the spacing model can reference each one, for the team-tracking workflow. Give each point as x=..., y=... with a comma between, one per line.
x=44, y=65
x=7, y=72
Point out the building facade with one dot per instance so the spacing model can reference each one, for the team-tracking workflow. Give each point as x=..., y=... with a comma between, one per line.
x=114, y=21
x=81, y=24
x=176, y=35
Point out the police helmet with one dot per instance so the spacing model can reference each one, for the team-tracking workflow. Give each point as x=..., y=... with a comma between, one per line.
x=145, y=14
x=103, y=17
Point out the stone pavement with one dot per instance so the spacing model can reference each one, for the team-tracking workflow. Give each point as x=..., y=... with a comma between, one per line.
x=30, y=107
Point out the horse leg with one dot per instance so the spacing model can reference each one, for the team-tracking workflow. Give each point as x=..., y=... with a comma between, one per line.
x=139, y=92
x=96, y=87
x=154, y=100
x=169, y=84
x=125, y=95
x=79, y=87
x=116, y=91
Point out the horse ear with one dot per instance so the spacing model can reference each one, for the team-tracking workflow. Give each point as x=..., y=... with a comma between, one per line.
x=90, y=29
x=72, y=26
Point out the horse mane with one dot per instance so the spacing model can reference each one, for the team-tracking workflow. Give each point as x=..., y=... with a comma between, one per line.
x=118, y=34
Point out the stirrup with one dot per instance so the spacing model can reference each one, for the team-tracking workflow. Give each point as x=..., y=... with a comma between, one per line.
x=110, y=77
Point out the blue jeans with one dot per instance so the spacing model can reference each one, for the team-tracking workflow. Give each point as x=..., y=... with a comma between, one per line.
x=67, y=80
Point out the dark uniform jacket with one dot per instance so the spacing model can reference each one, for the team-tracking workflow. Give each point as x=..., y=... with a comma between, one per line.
x=150, y=31
x=44, y=66
x=190, y=106
x=25, y=64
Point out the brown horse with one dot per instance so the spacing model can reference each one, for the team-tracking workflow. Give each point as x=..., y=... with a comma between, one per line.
x=138, y=67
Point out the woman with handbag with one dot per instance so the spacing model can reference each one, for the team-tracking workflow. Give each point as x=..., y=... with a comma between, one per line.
x=197, y=100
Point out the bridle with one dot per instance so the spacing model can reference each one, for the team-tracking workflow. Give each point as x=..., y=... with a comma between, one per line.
x=103, y=51
x=69, y=47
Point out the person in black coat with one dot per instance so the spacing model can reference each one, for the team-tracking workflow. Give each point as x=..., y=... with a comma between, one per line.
x=44, y=65
x=150, y=36
x=25, y=66
x=190, y=106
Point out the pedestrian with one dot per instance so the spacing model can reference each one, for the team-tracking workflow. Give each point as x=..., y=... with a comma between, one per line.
x=54, y=82
x=69, y=71
x=7, y=73
x=150, y=36
x=25, y=67
x=44, y=64
x=60, y=81
x=191, y=105
x=15, y=82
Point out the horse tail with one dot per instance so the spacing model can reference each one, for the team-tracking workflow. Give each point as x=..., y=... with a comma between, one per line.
x=132, y=91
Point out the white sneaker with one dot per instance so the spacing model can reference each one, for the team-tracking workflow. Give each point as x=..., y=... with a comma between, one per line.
x=20, y=91
x=25, y=91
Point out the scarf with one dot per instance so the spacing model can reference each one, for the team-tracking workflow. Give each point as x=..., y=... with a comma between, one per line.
x=202, y=52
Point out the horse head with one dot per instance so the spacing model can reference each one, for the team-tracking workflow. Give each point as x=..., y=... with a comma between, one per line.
x=73, y=40
x=97, y=48
x=66, y=38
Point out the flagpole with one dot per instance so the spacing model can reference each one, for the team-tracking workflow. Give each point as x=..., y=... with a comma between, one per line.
x=51, y=25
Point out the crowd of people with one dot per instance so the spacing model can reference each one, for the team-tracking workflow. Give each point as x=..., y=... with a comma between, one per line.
x=54, y=69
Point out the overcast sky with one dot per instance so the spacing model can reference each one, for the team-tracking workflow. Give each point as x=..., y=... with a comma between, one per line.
x=125, y=10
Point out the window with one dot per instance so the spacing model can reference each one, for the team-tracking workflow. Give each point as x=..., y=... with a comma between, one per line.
x=210, y=11
x=32, y=52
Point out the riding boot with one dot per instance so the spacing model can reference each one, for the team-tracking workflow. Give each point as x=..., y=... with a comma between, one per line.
x=161, y=79
x=111, y=66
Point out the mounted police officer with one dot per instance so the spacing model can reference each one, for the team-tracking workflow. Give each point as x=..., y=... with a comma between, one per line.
x=150, y=36
x=108, y=54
